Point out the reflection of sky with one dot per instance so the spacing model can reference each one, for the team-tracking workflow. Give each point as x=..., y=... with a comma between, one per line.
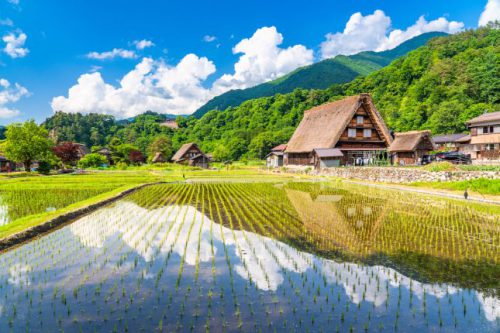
x=265, y=270
x=4, y=213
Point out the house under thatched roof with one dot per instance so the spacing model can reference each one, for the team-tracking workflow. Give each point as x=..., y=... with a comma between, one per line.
x=192, y=155
x=409, y=147
x=159, y=158
x=351, y=124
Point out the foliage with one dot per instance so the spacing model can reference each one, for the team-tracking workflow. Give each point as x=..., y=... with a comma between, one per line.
x=27, y=143
x=44, y=167
x=93, y=160
x=135, y=157
x=481, y=186
x=67, y=152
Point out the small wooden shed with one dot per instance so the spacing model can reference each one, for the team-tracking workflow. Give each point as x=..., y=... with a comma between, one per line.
x=275, y=158
x=190, y=154
x=327, y=158
x=408, y=148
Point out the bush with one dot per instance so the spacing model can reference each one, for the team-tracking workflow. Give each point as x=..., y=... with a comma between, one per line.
x=44, y=167
x=440, y=166
x=92, y=161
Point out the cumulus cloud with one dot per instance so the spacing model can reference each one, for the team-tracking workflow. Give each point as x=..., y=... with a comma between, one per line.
x=262, y=60
x=151, y=85
x=208, y=38
x=14, y=44
x=142, y=44
x=10, y=94
x=14, y=2
x=115, y=53
x=491, y=13
x=372, y=33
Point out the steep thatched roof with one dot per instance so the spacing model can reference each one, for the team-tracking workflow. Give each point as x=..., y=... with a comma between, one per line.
x=485, y=118
x=159, y=158
x=323, y=125
x=184, y=149
x=408, y=141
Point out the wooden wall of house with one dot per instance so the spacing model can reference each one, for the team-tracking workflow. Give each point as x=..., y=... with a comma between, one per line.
x=298, y=159
x=405, y=158
x=374, y=141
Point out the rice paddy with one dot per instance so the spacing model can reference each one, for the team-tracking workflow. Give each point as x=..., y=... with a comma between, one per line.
x=270, y=257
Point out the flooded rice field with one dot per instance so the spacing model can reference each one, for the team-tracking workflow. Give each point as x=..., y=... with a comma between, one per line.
x=297, y=257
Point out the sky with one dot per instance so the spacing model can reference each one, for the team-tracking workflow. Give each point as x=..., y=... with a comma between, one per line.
x=125, y=57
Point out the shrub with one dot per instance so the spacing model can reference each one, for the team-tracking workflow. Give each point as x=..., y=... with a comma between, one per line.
x=440, y=166
x=92, y=161
x=44, y=167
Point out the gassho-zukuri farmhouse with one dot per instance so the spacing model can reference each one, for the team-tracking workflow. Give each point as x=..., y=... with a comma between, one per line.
x=345, y=132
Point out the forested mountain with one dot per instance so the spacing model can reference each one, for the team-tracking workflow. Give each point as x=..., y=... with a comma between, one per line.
x=321, y=75
x=438, y=87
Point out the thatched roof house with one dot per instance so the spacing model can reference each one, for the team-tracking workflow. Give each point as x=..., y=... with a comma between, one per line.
x=410, y=147
x=159, y=158
x=190, y=154
x=353, y=125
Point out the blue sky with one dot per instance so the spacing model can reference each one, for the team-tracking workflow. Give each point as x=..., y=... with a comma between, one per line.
x=190, y=50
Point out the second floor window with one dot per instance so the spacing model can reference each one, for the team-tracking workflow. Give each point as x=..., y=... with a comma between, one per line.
x=351, y=132
x=360, y=120
x=367, y=133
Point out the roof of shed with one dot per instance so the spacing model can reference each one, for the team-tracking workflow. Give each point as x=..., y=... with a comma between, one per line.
x=408, y=141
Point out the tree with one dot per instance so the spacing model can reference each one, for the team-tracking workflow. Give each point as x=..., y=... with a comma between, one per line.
x=68, y=152
x=135, y=156
x=93, y=160
x=27, y=143
x=161, y=144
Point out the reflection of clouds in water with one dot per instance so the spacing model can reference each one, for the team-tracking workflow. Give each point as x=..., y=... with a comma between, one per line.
x=126, y=218
x=491, y=306
x=19, y=274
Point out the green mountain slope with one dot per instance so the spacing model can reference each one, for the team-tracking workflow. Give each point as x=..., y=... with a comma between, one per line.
x=320, y=75
x=437, y=86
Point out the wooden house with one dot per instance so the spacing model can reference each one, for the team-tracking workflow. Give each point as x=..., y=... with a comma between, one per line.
x=159, y=158
x=275, y=158
x=190, y=154
x=448, y=141
x=7, y=165
x=352, y=125
x=484, y=140
x=408, y=148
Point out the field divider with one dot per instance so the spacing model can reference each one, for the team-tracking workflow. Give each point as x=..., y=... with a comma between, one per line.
x=23, y=236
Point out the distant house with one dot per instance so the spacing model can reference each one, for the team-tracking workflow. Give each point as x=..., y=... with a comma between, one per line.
x=408, y=148
x=484, y=139
x=6, y=165
x=275, y=158
x=106, y=152
x=159, y=158
x=170, y=123
x=190, y=154
x=352, y=125
x=448, y=141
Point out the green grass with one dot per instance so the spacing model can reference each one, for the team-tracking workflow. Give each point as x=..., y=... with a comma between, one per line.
x=482, y=186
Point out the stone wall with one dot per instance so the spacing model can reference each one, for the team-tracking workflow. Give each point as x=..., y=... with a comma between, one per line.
x=406, y=175
x=394, y=174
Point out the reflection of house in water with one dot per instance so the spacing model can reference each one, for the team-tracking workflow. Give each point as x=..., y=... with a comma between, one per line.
x=339, y=220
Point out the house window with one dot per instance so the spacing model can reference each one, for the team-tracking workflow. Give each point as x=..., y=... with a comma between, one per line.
x=490, y=146
x=367, y=133
x=480, y=130
x=496, y=129
x=351, y=132
x=360, y=120
x=485, y=130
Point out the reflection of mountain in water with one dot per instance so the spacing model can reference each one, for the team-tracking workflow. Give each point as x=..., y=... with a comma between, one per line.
x=261, y=259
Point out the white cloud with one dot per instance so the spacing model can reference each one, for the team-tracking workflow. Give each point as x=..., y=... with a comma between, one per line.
x=151, y=85
x=14, y=44
x=115, y=53
x=6, y=22
x=491, y=13
x=14, y=2
x=142, y=44
x=372, y=33
x=208, y=38
x=10, y=94
x=262, y=60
